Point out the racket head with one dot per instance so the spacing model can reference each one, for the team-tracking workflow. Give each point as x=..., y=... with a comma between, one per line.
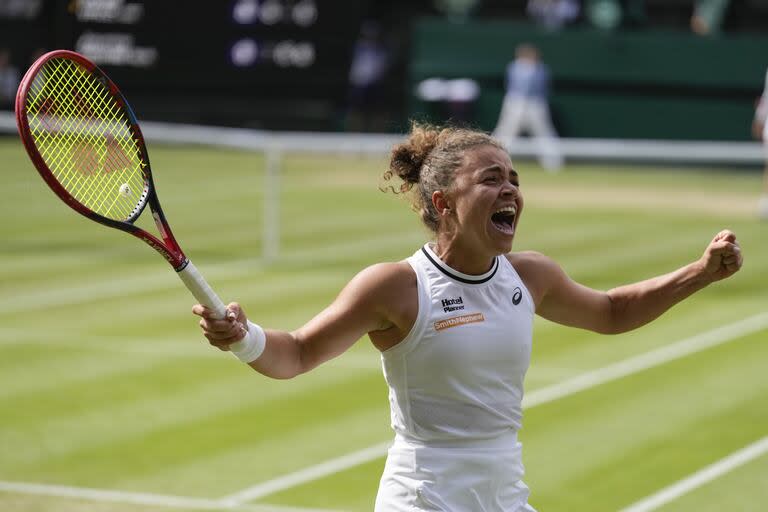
x=83, y=138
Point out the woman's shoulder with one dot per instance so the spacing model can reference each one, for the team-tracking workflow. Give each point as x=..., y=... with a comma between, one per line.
x=529, y=260
x=385, y=277
x=393, y=269
x=392, y=288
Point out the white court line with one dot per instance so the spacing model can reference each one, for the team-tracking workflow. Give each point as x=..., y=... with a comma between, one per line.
x=656, y=357
x=541, y=396
x=158, y=500
x=307, y=474
x=700, y=478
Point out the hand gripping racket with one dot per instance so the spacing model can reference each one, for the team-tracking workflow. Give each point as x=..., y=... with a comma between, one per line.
x=85, y=142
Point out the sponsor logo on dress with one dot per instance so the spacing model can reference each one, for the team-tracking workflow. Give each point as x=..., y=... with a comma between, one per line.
x=517, y=295
x=459, y=320
x=453, y=304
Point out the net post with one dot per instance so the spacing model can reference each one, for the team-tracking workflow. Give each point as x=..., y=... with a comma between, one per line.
x=271, y=240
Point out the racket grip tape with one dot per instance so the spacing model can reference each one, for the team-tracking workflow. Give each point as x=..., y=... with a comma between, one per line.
x=201, y=290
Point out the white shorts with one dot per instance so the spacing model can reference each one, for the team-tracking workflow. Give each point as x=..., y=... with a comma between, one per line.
x=480, y=477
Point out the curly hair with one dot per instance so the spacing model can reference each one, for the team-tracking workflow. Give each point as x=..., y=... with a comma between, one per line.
x=429, y=159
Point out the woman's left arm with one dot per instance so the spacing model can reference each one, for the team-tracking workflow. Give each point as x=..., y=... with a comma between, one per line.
x=627, y=307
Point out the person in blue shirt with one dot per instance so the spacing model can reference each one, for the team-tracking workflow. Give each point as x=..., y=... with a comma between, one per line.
x=526, y=107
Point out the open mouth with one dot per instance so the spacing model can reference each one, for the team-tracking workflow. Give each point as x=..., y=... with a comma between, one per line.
x=503, y=219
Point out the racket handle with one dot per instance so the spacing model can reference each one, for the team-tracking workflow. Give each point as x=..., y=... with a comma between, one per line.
x=202, y=291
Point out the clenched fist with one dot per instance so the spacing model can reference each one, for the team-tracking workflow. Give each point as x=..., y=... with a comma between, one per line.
x=722, y=258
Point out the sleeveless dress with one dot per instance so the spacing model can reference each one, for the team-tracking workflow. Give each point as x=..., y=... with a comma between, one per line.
x=455, y=392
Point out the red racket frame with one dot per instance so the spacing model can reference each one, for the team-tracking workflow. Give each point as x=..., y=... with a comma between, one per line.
x=168, y=247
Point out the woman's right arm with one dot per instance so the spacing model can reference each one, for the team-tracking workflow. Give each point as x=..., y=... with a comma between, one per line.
x=365, y=304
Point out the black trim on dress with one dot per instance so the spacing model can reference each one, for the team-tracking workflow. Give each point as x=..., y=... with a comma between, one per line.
x=442, y=267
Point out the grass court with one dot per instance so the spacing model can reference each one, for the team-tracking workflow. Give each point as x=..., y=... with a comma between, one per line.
x=112, y=401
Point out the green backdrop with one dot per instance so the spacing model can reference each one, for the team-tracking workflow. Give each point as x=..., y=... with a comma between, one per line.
x=643, y=84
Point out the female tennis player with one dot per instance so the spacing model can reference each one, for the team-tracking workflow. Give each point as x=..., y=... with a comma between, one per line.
x=453, y=324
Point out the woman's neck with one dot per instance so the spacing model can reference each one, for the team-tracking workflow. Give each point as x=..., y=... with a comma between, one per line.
x=461, y=257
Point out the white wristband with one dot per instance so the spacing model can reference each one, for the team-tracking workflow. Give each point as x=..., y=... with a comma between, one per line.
x=251, y=346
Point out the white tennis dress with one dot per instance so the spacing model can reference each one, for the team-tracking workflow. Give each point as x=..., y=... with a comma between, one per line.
x=455, y=392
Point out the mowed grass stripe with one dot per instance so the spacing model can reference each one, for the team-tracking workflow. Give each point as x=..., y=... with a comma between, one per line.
x=121, y=386
x=582, y=351
x=555, y=360
x=203, y=437
x=536, y=233
x=662, y=355
x=45, y=371
x=633, y=252
x=263, y=455
x=32, y=497
x=130, y=409
x=145, y=285
x=744, y=488
x=620, y=442
x=353, y=489
x=360, y=356
x=26, y=345
x=701, y=477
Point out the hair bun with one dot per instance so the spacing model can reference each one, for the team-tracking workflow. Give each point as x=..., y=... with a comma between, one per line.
x=409, y=157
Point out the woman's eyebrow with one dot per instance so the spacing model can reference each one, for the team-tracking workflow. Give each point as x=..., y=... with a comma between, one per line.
x=496, y=168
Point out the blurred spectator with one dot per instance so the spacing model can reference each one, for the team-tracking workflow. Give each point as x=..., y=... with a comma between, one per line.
x=553, y=14
x=9, y=80
x=760, y=131
x=605, y=14
x=526, y=106
x=708, y=15
x=370, y=60
x=20, y=9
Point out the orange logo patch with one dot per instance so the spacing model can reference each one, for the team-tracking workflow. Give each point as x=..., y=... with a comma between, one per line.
x=459, y=320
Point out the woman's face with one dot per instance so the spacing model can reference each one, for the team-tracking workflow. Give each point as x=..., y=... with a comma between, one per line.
x=485, y=200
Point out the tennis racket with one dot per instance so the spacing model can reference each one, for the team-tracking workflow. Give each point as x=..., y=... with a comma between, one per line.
x=85, y=141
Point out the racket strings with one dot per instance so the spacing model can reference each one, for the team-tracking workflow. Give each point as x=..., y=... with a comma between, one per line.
x=83, y=135
x=98, y=97
x=74, y=120
x=66, y=124
x=91, y=100
x=75, y=117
